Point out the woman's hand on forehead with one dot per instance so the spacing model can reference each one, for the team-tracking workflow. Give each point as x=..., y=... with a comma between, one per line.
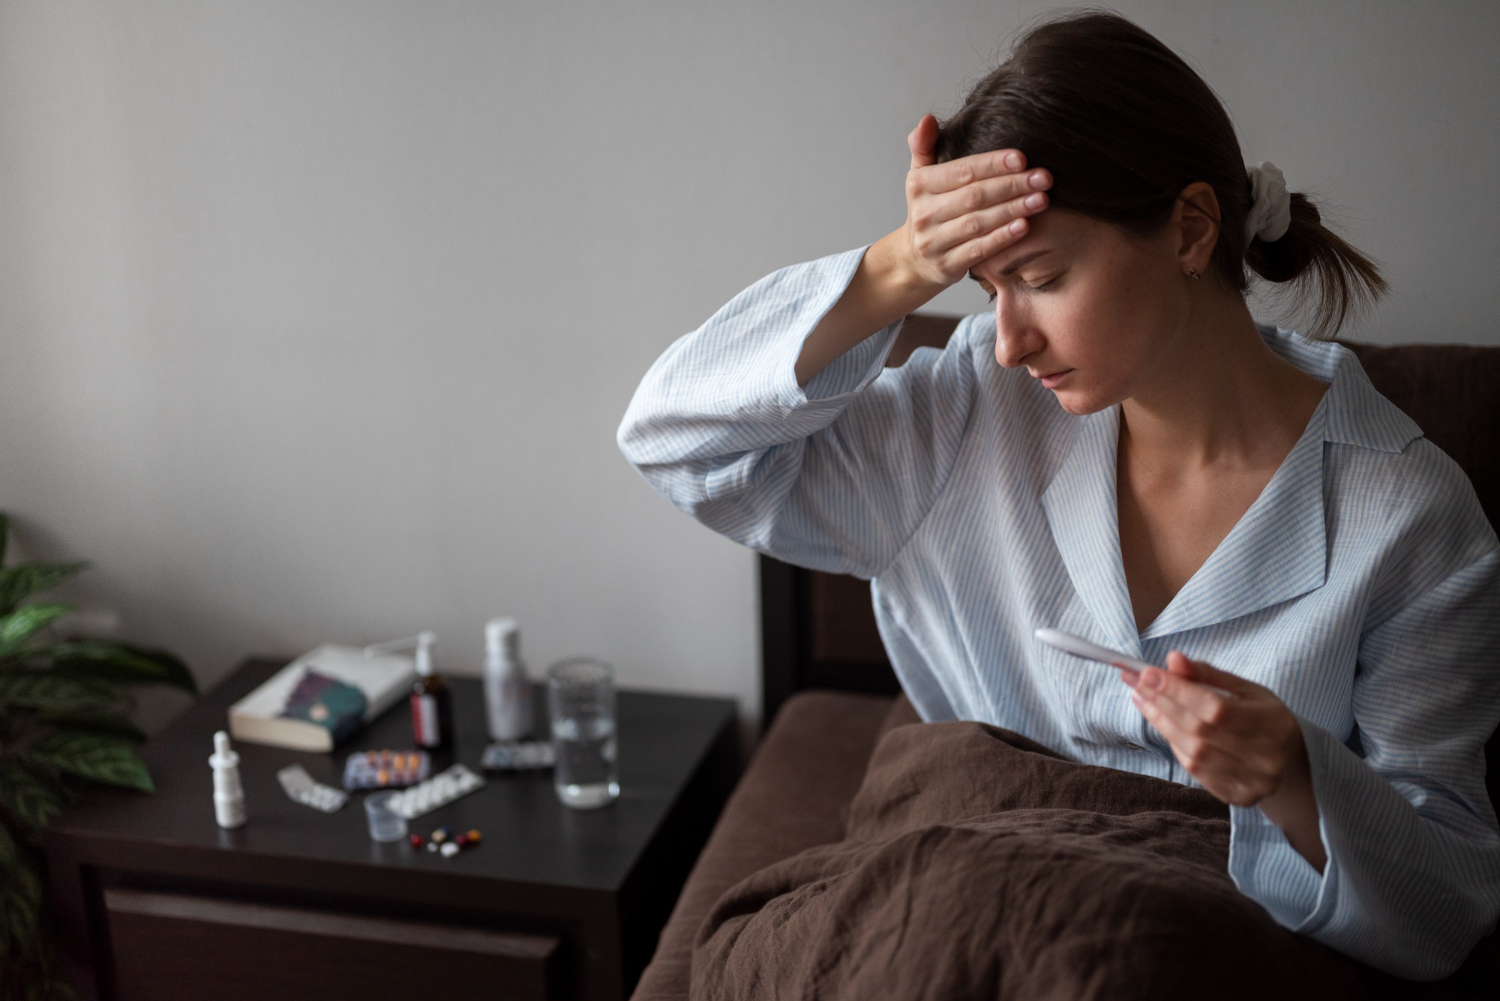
x=957, y=214
x=963, y=211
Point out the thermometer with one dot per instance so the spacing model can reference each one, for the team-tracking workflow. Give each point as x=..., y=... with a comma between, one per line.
x=1084, y=650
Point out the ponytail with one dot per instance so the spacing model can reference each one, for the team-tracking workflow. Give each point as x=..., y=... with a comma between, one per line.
x=1319, y=266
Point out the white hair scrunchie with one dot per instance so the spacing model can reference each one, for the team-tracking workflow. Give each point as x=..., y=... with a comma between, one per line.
x=1270, y=204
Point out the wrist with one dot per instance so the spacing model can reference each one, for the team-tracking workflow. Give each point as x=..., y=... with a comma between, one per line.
x=882, y=291
x=1296, y=774
x=894, y=265
x=1295, y=784
x=1293, y=807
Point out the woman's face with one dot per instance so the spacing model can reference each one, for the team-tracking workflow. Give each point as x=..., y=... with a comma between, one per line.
x=1089, y=308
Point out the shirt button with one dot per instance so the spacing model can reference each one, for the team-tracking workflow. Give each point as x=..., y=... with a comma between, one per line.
x=1132, y=745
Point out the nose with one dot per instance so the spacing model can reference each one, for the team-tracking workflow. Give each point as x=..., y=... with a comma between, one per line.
x=1016, y=337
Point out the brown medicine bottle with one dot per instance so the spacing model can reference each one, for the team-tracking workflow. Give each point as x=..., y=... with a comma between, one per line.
x=431, y=701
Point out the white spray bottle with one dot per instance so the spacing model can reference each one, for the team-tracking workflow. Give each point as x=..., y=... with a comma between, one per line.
x=229, y=794
x=507, y=688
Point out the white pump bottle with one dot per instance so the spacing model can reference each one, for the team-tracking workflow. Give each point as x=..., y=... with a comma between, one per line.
x=507, y=688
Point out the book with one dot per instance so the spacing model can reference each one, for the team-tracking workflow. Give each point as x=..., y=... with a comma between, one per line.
x=322, y=698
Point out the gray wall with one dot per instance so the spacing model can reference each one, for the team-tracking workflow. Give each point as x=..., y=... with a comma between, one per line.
x=318, y=318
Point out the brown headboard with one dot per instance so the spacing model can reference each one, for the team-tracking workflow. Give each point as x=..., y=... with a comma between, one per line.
x=818, y=630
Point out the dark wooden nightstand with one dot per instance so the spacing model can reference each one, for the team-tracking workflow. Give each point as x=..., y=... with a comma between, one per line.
x=155, y=901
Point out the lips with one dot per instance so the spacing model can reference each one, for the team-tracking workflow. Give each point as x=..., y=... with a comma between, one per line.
x=1051, y=380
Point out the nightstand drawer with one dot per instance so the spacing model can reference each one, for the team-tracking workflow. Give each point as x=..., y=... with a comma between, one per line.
x=172, y=946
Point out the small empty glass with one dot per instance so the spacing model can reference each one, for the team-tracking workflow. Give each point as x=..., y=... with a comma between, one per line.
x=581, y=703
x=385, y=824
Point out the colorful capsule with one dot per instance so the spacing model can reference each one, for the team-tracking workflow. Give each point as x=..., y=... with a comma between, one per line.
x=417, y=841
x=440, y=835
x=473, y=836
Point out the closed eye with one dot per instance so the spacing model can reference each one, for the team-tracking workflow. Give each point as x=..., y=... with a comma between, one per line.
x=1043, y=287
x=982, y=284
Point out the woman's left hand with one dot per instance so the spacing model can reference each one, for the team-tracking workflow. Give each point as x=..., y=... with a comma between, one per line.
x=1247, y=750
x=1242, y=749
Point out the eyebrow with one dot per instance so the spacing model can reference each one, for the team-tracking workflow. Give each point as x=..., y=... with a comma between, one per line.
x=1016, y=265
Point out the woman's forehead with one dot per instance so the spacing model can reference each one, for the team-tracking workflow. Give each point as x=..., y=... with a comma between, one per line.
x=1045, y=236
x=1054, y=231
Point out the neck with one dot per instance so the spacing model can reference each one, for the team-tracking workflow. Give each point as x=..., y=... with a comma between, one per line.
x=1219, y=395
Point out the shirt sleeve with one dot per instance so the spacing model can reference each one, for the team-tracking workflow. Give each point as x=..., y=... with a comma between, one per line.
x=1412, y=880
x=836, y=475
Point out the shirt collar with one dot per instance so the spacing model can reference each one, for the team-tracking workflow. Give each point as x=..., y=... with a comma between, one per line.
x=1357, y=413
x=1278, y=549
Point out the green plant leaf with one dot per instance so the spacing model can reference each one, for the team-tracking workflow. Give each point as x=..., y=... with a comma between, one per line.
x=18, y=583
x=20, y=899
x=113, y=723
x=27, y=798
x=115, y=661
x=16, y=627
x=46, y=691
x=94, y=756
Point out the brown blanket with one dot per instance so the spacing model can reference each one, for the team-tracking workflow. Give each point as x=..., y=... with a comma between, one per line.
x=979, y=864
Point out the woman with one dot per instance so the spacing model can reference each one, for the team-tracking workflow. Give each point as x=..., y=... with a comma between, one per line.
x=1119, y=451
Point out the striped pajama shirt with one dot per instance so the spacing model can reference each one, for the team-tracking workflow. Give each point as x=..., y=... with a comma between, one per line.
x=1362, y=586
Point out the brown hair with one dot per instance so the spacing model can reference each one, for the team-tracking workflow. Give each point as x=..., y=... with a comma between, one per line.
x=1124, y=125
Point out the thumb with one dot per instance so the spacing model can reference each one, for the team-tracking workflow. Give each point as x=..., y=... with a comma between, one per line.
x=921, y=141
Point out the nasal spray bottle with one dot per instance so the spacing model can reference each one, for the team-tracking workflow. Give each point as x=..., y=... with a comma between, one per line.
x=507, y=689
x=431, y=701
x=229, y=793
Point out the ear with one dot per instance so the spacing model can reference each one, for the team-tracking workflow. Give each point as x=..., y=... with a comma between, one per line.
x=1195, y=218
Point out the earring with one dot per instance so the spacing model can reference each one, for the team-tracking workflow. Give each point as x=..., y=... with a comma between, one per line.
x=1192, y=274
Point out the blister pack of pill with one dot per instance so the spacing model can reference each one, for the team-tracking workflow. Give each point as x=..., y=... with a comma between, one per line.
x=385, y=769
x=518, y=755
x=301, y=788
x=440, y=790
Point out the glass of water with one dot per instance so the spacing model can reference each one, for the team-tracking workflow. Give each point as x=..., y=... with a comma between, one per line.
x=385, y=823
x=581, y=702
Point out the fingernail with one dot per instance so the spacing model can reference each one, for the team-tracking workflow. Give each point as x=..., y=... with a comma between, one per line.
x=1039, y=179
x=1018, y=227
x=1013, y=161
x=1034, y=201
